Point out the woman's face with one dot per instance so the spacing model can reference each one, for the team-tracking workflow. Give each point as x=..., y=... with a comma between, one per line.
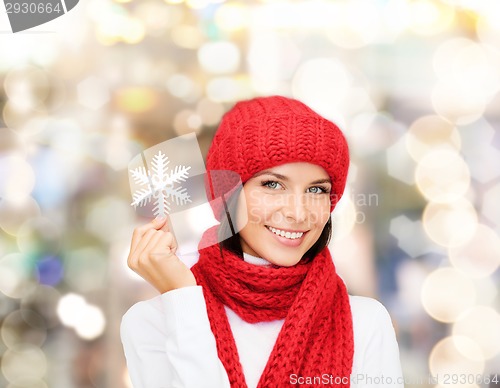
x=287, y=208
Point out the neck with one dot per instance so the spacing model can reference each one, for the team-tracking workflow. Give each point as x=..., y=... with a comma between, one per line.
x=256, y=260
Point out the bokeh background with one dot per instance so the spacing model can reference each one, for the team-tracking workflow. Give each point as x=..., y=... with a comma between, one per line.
x=413, y=83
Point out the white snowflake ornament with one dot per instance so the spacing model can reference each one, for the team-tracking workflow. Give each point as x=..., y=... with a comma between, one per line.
x=169, y=179
x=159, y=185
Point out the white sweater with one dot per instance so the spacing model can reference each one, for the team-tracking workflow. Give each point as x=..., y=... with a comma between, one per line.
x=168, y=343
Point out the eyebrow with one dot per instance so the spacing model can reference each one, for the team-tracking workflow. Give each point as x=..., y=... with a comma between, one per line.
x=286, y=179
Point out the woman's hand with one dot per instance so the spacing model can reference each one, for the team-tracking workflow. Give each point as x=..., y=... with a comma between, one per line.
x=152, y=256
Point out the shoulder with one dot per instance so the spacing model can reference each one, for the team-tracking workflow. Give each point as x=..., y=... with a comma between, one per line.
x=369, y=316
x=364, y=307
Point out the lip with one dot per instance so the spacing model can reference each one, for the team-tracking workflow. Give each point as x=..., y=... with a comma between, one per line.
x=288, y=230
x=286, y=241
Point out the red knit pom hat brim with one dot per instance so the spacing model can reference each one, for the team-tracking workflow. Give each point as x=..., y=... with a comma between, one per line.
x=265, y=132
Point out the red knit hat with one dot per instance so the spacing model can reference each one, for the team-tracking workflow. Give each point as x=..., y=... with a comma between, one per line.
x=265, y=132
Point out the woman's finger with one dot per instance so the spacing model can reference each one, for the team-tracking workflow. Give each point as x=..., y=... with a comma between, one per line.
x=139, y=232
x=166, y=228
x=162, y=246
x=141, y=245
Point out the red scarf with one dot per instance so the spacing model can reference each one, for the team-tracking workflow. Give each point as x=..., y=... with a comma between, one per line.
x=317, y=336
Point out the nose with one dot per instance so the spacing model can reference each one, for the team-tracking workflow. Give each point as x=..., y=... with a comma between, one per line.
x=296, y=208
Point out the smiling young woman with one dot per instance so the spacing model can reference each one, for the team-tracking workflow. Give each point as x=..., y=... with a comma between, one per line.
x=265, y=307
x=288, y=207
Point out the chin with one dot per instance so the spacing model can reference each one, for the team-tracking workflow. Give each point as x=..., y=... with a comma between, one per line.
x=283, y=259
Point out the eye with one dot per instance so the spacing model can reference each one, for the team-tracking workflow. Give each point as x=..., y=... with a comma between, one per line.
x=319, y=190
x=271, y=184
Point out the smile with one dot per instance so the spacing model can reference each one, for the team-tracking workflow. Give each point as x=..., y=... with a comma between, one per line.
x=285, y=234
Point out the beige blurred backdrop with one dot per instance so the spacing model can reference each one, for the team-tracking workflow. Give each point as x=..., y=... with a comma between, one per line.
x=413, y=84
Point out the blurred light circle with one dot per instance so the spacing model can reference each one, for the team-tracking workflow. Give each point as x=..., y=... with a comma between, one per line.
x=38, y=52
x=446, y=52
x=491, y=206
x=119, y=26
x=469, y=65
x=55, y=169
x=429, y=17
x=479, y=256
x=70, y=309
x=373, y=132
x=13, y=118
x=39, y=235
x=155, y=16
x=27, y=383
x=272, y=59
x=119, y=147
x=187, y=121
x=446, y=358
x=187, y=36
x=64, y=135
x=8, y=305
x=209, y=111
x=481, y=324
x=478, y=66
x=10, y=141
x=465, y=4
x=43, y=300
x=93, y=92
x=396, y=17
x=442, y=176
x=322, y=84
x=232, y=16
x=219, y=57
x=136, y=99
x=18, y=178
x=86, y=269
x=429, y=133
x=71, y=68
x=458, y=104
x=448, y=223
x=23, y=327
x=486, y=290
x=14, y=213
x=15, y=273
x=49, y=270
x=26, y=87
x=228, y=89
x=399, y=163
x=488, y=23
x=93, y=323
x=446, y=293
x=358, y=24
x=182, y=86
x=199, y=4
x=23, y=362
x=409, y=235
x=105, y=214
x=357, y=101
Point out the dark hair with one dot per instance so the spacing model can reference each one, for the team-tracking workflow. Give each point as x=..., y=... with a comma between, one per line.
x=233, y=244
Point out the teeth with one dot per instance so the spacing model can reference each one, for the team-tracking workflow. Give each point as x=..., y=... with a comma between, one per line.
x=282, y=233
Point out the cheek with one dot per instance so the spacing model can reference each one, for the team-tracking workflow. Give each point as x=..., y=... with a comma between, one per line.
x=259, y=207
